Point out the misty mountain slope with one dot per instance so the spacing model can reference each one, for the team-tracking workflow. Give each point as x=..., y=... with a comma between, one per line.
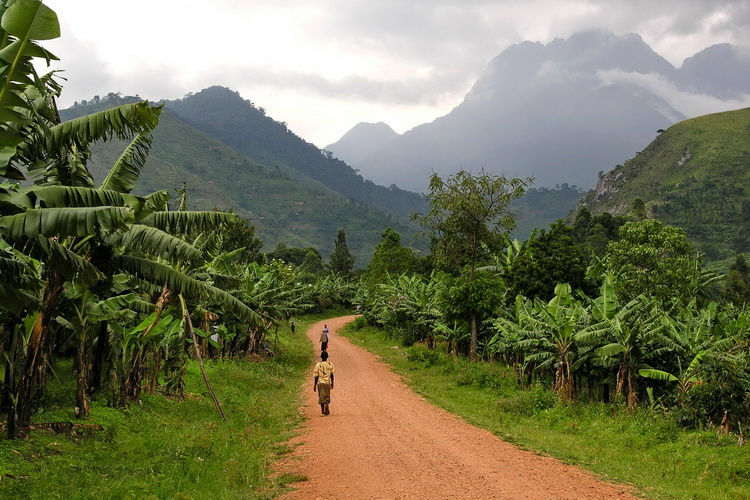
x=560, y=112
x=720, y=70
x=223, y=114
x=284, y=206
x=696, y=175
x=361, y=141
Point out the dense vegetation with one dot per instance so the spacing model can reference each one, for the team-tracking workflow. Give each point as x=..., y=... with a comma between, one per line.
x=112, y=295
x=694, y=175
x=167, y=447
x=645, y=448
x=605, y=309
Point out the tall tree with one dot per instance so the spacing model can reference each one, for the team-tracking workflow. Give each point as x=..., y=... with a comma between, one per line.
x=342, y=261
x=655, y=260
x=468, y=220
x=552, y=257
x=389, y=258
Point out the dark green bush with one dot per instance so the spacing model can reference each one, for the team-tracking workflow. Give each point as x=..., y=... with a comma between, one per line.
x=421, y=354
x=528, y=402
x=359, y=323
x=725, y=388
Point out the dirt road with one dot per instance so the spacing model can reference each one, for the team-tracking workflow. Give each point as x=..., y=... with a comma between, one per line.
x=382, y=440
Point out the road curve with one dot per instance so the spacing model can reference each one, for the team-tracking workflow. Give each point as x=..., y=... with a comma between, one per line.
x=382, y=440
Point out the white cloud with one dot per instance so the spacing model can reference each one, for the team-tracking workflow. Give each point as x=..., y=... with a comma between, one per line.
x=687, y=103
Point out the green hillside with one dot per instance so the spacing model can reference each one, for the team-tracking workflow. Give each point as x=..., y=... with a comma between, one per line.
x=695, y=175
x=541, y=206
x=282, y=203
x=241, y=125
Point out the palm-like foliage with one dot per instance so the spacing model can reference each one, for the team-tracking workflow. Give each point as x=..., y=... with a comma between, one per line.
x=629, y=334
x=551, y=329
x=693, y=336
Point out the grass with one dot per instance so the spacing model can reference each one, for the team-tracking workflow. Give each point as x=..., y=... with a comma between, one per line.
x=644, y=448
x=168, y=448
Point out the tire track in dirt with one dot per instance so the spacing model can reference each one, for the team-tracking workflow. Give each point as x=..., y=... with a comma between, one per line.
x=382, y=440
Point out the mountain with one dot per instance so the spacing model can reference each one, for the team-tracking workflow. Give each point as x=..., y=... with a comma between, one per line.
x=720, y=70
x=238, y=123
x=284, y=204
x=361, y=141
x=560, y=112
x=696, y=175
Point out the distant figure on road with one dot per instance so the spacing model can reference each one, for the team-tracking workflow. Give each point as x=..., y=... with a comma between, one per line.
x=292, y=325
x=323, y=382
x=324, y=337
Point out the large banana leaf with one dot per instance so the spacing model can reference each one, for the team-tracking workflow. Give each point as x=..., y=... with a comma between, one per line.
x=57, y=256
x=126, y=170
x=30, y=20
x=187, y=221
x=62, y=222
x=657, y=375
x=11, y=270
x=22, y=21
x=153, y=241
x=130, y=301
x=70, y=196
x=178, y=282
x=121, y=122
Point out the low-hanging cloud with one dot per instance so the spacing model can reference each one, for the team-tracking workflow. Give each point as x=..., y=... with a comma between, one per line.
x=688, y=103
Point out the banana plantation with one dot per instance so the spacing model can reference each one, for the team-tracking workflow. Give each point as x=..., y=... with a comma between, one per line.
x=130, y=286
x=641, y=323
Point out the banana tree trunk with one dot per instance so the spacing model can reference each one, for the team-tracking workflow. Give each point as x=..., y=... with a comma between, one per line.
x=626, y=385
x=82, y=398
x=564, y=383
x=100, y=357
x=19, y=420
x=474, y=336
x=189, y=327
x=131, y=384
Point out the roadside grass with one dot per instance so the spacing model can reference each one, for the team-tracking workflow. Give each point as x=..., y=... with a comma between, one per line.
x=644, y=448
x=168, y=448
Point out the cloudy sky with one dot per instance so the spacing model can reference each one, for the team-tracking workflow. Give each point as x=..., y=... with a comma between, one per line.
x=323, y=66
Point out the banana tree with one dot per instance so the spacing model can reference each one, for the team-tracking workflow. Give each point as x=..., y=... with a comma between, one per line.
x=89, y=311
x=552, y=328
x=625, y=335
x=693, y=338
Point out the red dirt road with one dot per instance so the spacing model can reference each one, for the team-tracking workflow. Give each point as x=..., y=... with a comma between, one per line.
x=382, y=440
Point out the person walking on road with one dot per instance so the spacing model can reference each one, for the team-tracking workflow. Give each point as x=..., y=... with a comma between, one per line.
x=323, y=382
x=324, y=337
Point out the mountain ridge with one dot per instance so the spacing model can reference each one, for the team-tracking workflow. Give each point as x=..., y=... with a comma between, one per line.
x=284, y=205
x=560, y=111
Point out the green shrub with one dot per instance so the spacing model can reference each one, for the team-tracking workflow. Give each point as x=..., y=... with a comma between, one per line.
x=528, y=402
x=421, y=354
x=487, y=375
x=725, y=388
x=359, y=323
